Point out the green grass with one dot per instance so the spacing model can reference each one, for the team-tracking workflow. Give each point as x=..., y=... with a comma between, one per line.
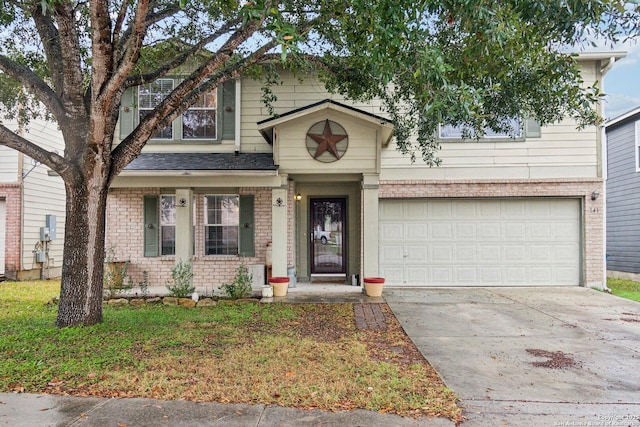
x=303, y=355
x=625, y=288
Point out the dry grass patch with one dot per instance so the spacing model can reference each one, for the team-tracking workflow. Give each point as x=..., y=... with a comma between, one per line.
x=304, y=356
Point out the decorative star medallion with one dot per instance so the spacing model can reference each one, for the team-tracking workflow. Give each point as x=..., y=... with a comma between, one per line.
x=330, y=145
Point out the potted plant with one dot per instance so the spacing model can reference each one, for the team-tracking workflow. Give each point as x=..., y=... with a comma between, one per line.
x=280, y=286
x=373, y=286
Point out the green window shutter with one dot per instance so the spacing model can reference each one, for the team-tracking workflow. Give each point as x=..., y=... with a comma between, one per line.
x=228, y=110
x=151, y=226
x=247, y=226
x=127, y=113
x=532, y=129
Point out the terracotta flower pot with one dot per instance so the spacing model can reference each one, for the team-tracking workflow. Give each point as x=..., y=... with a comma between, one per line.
x=373, y=286
x=280, y=286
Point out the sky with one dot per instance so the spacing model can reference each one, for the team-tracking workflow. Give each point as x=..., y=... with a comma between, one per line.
x=622, y=83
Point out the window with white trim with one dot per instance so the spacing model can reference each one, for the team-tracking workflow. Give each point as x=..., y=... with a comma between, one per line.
x=149, y=96
x=460, y=132
x=199, y=121
x=168, y=225
x=221, y=223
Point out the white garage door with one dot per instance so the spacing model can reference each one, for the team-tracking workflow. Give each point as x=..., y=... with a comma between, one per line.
x=3, y=233
x=490, y=242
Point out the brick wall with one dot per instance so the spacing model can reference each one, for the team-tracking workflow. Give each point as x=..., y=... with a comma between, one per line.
x=592, y=212
x=12, y=196
x=125, y=215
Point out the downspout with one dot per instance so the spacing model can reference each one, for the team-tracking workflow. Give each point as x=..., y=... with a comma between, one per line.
x=238, y=115
x=605, y=174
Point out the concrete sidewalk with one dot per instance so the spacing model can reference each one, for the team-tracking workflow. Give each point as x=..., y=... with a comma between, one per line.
x=33, y=410
x=530, y=356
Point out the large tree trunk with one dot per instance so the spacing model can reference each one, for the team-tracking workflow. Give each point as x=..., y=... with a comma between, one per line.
x=82, y=269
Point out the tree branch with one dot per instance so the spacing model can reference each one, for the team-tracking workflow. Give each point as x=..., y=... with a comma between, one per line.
x=51, y=44
x=34, y=84
x=180, y=59
x=173, y=105
x=12, y=140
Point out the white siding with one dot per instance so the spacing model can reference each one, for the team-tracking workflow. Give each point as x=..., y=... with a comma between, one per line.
x=42, y=195
x=561, y=152
x=292, y=94
x=8, y=165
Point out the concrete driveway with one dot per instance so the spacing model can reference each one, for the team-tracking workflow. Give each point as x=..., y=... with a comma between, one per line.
x=530, y=356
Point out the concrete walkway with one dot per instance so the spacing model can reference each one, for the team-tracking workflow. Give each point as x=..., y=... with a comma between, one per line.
x=530, y=356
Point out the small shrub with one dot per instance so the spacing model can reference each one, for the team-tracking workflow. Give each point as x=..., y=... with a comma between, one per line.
x=144, y=284
x=115, y=279
x=241, y=285
x=179, y=285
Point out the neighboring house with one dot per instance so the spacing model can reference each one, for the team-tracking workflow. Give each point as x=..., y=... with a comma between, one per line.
x=30, y=198
x=623, y=195
x=228, y=183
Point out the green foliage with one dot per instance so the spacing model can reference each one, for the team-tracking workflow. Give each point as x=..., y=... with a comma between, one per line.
x=241, y=285
x=116, y=277
x=180, y=284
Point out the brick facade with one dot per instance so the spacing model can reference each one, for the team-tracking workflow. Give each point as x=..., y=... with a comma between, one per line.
x=592, y=210
x=125, y=216
x=12, y=196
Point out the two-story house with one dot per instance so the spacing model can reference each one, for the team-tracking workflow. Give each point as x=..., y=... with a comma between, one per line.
x=32, y=208
x=623, y=195
x=322, y=188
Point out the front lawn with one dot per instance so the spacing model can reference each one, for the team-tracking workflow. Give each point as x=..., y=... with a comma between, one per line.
x=624, y=288
x=302, y=355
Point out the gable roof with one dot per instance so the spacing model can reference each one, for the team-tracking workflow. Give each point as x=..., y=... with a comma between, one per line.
x=265, y=127
x=184, y=162
x=623, y=118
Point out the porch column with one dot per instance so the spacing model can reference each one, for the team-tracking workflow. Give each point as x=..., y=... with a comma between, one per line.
x=370, y=225
x=279, y=231
x=184, y=224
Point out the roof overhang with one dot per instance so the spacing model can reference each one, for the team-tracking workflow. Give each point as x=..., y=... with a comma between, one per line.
x=607, y=58
x=266, y=127
x=201, y=164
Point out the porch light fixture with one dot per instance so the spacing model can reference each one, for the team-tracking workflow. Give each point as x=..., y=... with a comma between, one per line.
x=595, y=195
x=298, y=197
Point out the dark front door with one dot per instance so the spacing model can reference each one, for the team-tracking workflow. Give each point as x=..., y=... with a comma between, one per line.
x=328, y=237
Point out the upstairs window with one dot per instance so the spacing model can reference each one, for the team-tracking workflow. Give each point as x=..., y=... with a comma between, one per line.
x=149, y=96
x=199, y=121
x=460, y=132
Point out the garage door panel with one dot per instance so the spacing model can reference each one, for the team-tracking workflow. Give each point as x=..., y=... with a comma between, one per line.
x=466, y=253
x=487, y=242
x=442, y=254
x=416, y=211
x=441, y=231
x=392, y=231
x=465, y=231
x=514, y=231
x=392, y=254
x=466, y=275
x=489, y=231
x=416, y=231
x=393, y=275
x=416, y=254
x=439, y=210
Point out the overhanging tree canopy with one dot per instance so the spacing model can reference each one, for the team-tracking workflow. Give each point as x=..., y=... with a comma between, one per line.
x=460, y=62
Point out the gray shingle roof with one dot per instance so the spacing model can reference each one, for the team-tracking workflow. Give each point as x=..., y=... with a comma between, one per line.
x=203, y=161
